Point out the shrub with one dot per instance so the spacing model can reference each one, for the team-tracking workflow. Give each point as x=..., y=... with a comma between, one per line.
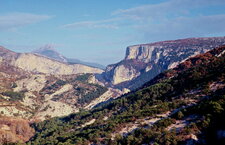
x=14, y=96
x=83, y=77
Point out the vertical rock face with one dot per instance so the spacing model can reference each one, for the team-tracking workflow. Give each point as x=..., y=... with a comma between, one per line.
x=143, y=53
x=143, y=62
x=122, y=73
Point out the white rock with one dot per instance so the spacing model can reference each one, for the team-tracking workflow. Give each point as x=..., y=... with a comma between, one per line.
x=122, y=74
x=36, y=63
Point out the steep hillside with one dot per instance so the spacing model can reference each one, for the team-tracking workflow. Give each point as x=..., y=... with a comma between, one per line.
x=145, y=61
x=7, y=55
x=40, y=96
x=184, y=105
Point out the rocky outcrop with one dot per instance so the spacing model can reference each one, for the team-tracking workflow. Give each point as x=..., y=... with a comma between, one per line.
x=123, y=73
x=142, y=52
x=143, y=62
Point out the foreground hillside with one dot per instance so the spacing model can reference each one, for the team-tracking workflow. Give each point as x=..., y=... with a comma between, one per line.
x=184, y=105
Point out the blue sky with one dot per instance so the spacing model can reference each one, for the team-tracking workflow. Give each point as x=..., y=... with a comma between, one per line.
x=100, y=30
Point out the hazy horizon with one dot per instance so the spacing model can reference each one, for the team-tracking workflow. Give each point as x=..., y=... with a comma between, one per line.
x=99, y=31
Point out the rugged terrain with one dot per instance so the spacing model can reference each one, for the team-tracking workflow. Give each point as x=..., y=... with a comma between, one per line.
x=36, y=87
x=143, y=62
x=184, y=105
x=41, y=96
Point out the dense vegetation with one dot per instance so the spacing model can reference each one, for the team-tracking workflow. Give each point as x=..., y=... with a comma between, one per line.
x=14, y=96
x=83, y=77
x=194, y=93
x=83, y=91
x=87, y=94
x=88, y=97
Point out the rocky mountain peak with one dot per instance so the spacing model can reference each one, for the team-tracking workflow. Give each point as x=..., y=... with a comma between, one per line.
x=49, y=51
x=47, y=47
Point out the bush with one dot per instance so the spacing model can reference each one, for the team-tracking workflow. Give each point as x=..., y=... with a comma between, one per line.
x=14, y=96
x=83, y=77
x=180, y=115
x=87, y=98
x=60, y=82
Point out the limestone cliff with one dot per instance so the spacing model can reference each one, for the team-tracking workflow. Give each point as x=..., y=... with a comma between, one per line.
x=143, y=62
x=41, y=64
x=36, y=63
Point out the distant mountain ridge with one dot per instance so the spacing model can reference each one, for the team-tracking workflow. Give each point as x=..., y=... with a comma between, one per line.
x=143, y=62
x=50, y=52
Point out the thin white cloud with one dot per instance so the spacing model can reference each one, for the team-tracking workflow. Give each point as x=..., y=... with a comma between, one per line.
x=108, y=24
x=167, y=20
x=183, y=27
x=174, y=19
x=15, y=20
x=171, y=8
